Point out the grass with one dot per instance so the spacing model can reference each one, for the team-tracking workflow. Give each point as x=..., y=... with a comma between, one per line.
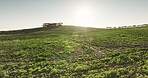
x=68, y=51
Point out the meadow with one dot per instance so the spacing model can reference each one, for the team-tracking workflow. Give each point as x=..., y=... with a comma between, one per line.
x=74, y=52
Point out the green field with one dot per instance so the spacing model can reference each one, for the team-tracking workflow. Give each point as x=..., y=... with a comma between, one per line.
x=74, y=52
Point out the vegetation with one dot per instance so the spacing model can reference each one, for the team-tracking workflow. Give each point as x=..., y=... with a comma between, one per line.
x=67, y=52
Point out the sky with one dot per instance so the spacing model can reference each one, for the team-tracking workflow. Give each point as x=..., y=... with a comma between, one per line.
x=22, y=14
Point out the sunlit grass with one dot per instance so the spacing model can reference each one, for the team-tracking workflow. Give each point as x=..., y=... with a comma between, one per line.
x=74, y=52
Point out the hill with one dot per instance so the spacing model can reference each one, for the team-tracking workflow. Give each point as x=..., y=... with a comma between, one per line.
x=68, y=51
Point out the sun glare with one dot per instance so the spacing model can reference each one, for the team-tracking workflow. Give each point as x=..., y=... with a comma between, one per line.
x=84, y=16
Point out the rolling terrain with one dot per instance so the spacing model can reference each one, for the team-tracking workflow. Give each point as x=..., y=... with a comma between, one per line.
x=74, y=52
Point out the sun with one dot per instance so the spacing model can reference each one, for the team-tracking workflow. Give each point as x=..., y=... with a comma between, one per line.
x=84, y=16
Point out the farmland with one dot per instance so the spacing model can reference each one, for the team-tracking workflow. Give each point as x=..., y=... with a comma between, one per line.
x=68, y=51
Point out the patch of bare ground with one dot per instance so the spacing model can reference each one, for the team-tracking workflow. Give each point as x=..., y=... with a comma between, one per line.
x=17, y=40
x=80, y=51
x=95, y=52
x=90, y=38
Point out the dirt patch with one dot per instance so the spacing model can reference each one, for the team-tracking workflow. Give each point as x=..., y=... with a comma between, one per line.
x=90, y=38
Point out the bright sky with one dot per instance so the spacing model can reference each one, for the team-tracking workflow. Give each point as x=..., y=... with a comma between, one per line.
x=20, y=14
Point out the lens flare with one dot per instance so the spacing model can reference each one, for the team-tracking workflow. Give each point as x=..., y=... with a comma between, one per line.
x=84, y=16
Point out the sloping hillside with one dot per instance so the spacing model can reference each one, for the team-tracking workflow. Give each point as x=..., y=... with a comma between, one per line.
x=68, y=52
